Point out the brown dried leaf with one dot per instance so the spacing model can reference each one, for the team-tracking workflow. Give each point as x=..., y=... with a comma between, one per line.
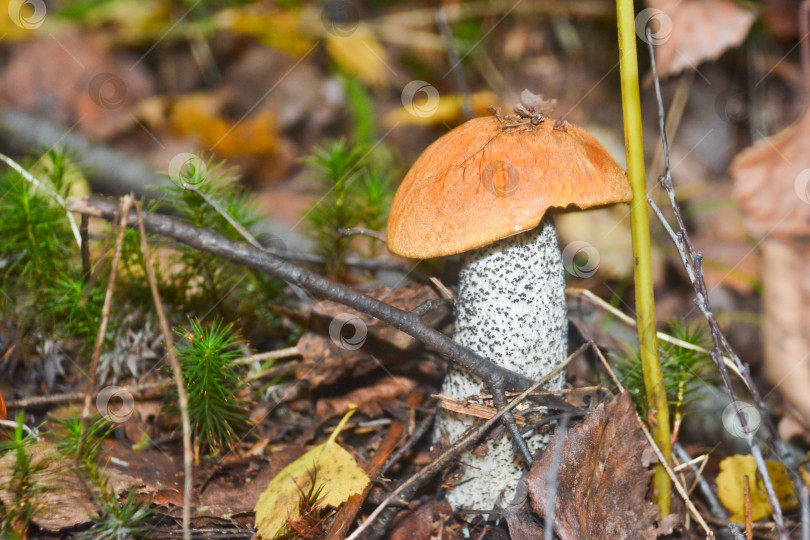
x=701, y=30
x=413, y=523
x=601, y=482
x=772, y=182
x=73, y=78
x=367, y=398
x=63, y=503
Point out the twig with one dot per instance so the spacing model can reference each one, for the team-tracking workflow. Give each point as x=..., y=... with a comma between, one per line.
x=269, y=355
x=663, y=336
x=123, y=210
x=749, y=523
x=109, y=171
x=59, y=399
x=362, y=231
x=268, y=263
x=417, y=434
x=805, y=502
x=692, y=261
x=36, y=182
x=471, y=437
x=84, y=232
x=182, y=397
x=717, y=509
x=495, y=378
x=443, y=289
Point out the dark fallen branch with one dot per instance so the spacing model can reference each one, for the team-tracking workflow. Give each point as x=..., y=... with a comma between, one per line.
x=260, y=260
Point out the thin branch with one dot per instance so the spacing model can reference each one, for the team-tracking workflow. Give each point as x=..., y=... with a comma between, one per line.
x=495, y=378
x=60, y=399
x=692, y=261
x=362, y=231
x=123, y=210
x=182, y=397
x=279, y=354
x=268, y=263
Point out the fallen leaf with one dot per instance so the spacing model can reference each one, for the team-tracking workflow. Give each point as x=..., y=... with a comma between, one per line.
x=360, y=54
x=772, y=182
x=279, y=29
x=690, y=32
x=772, y=186
x=448, y=108
x=366, y=399
x=73, y=78
x=601, y=483
x=198, y=115
x=415, y=523
x=63, y=502
x=335, y=469
x=731, y=492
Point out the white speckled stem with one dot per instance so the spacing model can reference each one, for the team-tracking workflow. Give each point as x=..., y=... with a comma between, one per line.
x=511, y=309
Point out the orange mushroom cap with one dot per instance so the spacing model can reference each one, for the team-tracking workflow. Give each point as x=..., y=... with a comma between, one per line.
x=485, y=181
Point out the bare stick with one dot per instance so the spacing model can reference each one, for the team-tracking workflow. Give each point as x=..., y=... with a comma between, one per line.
x=182, y=397
x=289, y=352
x=692, y=261
x=59, y=399
x=268, y=263
x=470, y=438
x=496, y=378
x=362, y=231
x=123, y=208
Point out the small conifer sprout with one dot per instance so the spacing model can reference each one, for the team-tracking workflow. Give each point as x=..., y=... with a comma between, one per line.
x=482, y=190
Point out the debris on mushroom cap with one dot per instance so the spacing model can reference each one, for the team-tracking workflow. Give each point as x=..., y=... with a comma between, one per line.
x=689, y=32
x=491, y=178
x=772, y=182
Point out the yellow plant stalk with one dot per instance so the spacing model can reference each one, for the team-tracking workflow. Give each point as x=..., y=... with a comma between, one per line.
x=642, y=268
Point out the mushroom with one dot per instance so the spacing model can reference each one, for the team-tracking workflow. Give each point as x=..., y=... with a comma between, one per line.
x=483, y=190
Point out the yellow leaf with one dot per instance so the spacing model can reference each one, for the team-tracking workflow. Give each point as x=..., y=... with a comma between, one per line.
x=426, y=108
x=730, y=487
x=281, y=30
x=19, y=19
x=335, y=470
x=360, y=54
x=197, y=115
